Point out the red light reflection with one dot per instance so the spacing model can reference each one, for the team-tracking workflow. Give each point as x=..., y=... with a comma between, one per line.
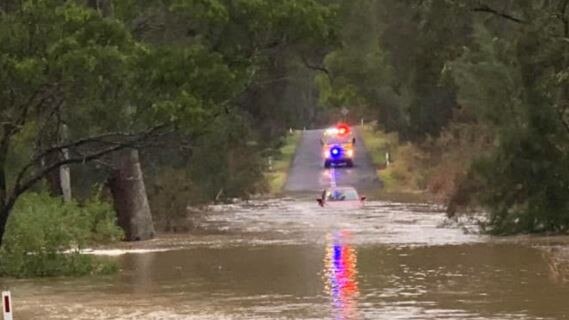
x=341, y=272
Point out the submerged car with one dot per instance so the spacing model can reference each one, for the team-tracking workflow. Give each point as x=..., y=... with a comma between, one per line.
x=341, y=197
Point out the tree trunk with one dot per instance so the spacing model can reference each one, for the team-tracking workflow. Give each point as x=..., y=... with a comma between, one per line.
x=4, y=205
x=3, y=221
x=130, y=199
x=59, y=181
x=65, y=180
x=64, y=171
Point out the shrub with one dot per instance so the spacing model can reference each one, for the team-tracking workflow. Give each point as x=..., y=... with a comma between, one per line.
x=170, y=192
x=44, y=236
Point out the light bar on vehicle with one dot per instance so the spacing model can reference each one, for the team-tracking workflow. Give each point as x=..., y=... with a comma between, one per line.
x=343, y=129
x=332, y=131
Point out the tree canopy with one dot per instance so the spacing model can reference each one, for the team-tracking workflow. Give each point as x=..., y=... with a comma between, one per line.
x=80, y=80
x=118, y=74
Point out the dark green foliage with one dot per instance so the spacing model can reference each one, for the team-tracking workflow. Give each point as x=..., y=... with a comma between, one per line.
x=392, y=59
x=237, y=172
x=203, y=174
x=497, y=66
x=128, y=72
x=526, y=182
x=512, y=78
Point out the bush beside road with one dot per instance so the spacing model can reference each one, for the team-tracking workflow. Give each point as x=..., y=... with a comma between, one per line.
x=434, y=170
x=45, y=237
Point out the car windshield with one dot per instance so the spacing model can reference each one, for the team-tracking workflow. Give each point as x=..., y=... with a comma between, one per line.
x=341, y=195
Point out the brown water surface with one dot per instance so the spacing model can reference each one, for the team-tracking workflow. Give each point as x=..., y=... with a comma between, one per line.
x=289, y=259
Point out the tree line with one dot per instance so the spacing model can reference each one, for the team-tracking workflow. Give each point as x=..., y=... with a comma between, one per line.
x=199, y=89
x=196, y=93
x=485, y=80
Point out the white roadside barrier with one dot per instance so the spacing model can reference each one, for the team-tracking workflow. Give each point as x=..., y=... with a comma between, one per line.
x=7, y=305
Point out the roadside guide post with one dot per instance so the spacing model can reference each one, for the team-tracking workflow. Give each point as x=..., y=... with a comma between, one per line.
x=7, y=305
x=345, y=112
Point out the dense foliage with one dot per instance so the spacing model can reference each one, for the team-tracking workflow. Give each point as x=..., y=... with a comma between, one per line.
x=45, y=236
x=437, y=71
x=202, y=87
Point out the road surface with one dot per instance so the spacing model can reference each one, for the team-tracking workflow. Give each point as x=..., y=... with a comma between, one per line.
x=307, y=172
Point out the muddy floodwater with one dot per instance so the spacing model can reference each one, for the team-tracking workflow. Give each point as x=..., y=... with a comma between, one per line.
x=289, y=259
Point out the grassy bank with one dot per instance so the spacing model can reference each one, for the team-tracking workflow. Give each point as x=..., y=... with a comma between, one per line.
x=277, y=172
x=435, y=170
x=405, y=175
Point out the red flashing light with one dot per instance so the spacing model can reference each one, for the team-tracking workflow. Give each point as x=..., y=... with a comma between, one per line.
x=343, y=129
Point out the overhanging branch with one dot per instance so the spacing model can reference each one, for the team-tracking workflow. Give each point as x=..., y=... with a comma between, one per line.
x=22, y=184
x=487, y=9
x=314, y=67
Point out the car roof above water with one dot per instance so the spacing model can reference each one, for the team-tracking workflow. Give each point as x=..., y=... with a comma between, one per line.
x=342, y=188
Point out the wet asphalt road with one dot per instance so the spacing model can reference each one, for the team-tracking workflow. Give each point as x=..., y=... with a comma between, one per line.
x=307, y=172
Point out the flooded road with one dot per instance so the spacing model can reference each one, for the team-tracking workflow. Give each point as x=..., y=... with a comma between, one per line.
x=307, y=172
x=290, y=259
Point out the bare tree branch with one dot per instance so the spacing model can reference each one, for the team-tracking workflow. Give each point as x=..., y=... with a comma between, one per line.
x=21, y=185
x=314, y=67
x=487, y=9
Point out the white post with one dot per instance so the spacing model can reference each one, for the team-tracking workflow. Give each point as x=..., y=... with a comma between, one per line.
x=7, y=305
x=290, y=130
x=362, y=121
x=387, y=160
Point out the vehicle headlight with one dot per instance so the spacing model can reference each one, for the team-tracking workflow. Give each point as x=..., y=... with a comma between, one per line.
x=350, y=153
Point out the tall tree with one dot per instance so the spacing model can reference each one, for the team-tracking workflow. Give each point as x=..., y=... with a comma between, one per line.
x=87, y=71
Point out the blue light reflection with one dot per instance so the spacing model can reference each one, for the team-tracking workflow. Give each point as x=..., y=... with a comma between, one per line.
x=341, y=277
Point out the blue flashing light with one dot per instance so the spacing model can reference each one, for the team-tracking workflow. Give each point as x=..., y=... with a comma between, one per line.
x=336, y=152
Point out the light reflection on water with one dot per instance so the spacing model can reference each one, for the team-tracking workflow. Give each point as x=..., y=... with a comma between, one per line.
x=340, y=275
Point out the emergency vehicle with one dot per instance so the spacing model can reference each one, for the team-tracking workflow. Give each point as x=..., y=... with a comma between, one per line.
x=338, y=146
